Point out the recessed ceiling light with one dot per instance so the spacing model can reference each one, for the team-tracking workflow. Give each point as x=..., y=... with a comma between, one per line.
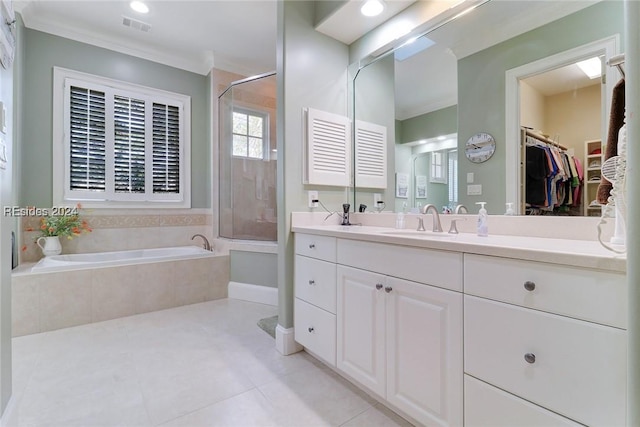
x=372, y=8
x=592, y=67
x=139, y=6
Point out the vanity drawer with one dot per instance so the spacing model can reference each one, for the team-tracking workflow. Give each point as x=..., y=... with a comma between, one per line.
x=485, y=405
x=321, y=247
x=315, y=282
x=315, y=329
x=432, y=267
x=572, y=367
x=594, y=295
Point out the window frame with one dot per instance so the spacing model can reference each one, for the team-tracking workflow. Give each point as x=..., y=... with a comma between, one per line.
x=62, y=193
x=439, y=160
x=264, y=115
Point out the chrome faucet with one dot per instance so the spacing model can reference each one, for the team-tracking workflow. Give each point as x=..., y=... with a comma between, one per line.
x=461, y=209
x=437, y=227
x=206, y=245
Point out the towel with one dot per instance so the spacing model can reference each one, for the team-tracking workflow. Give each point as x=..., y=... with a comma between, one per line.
x=616, y=121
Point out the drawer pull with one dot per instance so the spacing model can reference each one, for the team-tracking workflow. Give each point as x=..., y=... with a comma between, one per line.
x=530, y=358
x=312, y=282
x=378, y=286
x=388, y=289
x=529, y=285
x=312, y=245
x=311, y=329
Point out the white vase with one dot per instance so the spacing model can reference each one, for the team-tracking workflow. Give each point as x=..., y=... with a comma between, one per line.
x=51, y=245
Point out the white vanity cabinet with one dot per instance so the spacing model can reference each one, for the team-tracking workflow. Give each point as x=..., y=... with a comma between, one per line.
x=524, y=333
x=315, y=295
x=402, y=339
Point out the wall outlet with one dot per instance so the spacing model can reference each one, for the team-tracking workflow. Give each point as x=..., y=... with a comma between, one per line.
x=313, y=195
x=377, y=197
x=474, y=190
x=470, y=177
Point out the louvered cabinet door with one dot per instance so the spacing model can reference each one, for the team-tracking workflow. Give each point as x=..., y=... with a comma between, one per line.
x=371, y=155
x=328, y=152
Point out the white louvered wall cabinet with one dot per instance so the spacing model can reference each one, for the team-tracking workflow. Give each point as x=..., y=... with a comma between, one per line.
x=329, y=151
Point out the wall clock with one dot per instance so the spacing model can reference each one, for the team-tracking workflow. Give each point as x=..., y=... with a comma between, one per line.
x=480, y=147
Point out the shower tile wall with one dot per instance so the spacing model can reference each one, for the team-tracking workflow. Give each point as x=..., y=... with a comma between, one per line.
x=124, y=230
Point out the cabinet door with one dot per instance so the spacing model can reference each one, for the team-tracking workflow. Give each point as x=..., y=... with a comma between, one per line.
x=424, y=352
x=360, y=327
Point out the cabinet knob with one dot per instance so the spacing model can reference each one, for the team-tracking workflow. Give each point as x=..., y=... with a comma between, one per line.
x=378, y=286
x=312, y=245
x=529, y=285
x=311, y=329
x=312, y=282
x=530, y=358
x=388, y=289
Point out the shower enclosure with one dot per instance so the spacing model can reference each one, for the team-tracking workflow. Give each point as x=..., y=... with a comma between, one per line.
x=247, y=137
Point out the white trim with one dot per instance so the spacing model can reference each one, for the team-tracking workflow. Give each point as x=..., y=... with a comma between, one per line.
x=253, y=293
x=285, y=342
x=608, y=46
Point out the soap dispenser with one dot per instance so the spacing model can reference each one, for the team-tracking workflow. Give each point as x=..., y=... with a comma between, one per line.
x=509, y=210
x=483, y=228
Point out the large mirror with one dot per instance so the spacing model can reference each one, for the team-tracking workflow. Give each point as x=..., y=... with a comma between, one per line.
x=453, y=85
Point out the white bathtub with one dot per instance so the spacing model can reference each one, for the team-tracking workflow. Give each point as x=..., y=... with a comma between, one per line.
x=106, y=259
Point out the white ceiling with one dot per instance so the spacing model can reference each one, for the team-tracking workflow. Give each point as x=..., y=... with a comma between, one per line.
x=240, y=36
x=235, y=35
x=563, y=79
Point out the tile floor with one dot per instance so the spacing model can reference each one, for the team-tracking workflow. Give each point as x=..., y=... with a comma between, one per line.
x=205, y=364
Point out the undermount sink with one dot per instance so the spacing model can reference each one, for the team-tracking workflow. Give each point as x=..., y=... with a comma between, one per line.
x=419, y=234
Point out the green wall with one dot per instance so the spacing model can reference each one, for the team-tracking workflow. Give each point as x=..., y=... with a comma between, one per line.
x=254, y=268
x=43, y=52
x=430, y=125
x=312, y=72
x=481, y=89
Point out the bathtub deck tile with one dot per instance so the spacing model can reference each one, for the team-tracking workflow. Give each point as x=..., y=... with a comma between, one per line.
x=65, y=299
x=113, y=295
x=154, y=288
x=25, y=308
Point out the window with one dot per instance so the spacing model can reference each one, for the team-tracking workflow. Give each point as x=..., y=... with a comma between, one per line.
x=249, y=134
x=453, y=177
x=438, y=171
x=118, y=144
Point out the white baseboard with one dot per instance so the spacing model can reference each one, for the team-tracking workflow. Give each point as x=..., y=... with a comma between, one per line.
x=285, y=343
x=253, y=293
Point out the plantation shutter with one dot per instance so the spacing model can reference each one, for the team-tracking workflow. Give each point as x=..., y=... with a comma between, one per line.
x=121, y=145
x=129, y=145
x=87, y=137
x=166, y=148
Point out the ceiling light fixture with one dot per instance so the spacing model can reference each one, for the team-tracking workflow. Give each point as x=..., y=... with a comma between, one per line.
x=372, y=7
x=592, y=67
x=139, y=6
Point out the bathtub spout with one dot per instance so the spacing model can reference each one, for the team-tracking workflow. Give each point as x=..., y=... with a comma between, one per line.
x=206, y=245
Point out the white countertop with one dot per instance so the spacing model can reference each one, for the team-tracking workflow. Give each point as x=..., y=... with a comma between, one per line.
x=577, y=253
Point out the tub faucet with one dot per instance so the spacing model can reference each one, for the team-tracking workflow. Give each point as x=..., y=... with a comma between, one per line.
x=206, y=245
x=437, y=227
x=461, y=209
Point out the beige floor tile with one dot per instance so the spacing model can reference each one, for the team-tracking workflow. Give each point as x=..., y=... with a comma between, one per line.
x=246, y=409
x=196, y=365
x=378, y=416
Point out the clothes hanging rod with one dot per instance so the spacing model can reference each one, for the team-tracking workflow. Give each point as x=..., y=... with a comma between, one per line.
x=618, y=62
x=544, y=139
